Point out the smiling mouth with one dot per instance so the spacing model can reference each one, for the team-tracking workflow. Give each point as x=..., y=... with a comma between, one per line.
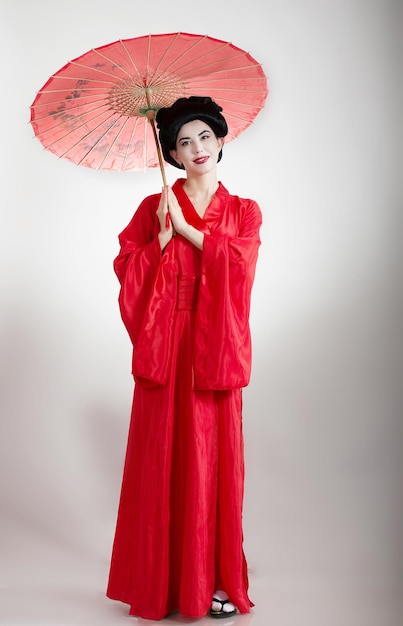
x=201, y=160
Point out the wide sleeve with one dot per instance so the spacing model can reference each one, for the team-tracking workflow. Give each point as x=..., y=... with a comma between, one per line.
x=223, y=351
x=147, y=292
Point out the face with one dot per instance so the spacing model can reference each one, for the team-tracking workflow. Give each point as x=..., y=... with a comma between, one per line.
x=197, y=147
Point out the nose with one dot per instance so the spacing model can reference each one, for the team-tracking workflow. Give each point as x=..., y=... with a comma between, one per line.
x=198, y=146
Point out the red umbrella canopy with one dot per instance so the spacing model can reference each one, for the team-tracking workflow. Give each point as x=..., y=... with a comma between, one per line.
x=95, y=110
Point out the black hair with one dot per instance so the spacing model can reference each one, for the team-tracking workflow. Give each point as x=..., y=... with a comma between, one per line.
x=171, y=119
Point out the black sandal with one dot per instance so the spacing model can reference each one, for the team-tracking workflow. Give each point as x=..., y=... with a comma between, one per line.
x=221, y=613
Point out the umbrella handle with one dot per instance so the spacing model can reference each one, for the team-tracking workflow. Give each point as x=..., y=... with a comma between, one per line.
x=150, y=113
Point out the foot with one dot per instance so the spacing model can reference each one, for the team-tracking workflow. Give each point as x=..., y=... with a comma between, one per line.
x=221, y=605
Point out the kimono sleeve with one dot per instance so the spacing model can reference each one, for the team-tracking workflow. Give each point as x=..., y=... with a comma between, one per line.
x=146, y=296
x=223, y=342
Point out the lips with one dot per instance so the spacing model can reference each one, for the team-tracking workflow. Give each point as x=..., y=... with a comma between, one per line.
x=201, y=160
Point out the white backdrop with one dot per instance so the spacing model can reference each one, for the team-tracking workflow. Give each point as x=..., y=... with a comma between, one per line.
x=323, y=413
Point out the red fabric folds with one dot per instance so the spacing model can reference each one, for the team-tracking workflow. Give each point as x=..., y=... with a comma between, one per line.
x=226, y=268
x=179, y=529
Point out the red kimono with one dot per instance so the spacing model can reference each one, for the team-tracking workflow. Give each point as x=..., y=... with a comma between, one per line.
x=179, y=528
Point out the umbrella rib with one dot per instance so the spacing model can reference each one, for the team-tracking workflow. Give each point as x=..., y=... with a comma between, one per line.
x=202, y=56
x=218, y=71
x=55, y=114
x=231, y=91
x=238, y=117
x=247, y=105
x=145, y=146
x=77, y=128
x=96, y=69
x=234, y=101
x=40, y=105
x=148, y=60
x=97, y=141
x=221, y=79
x=113, y=142
x=234, y=95
x=61, y=91
x=129, y=143
x=131, y=61
x=188, y=50
x=172, y=43
x=83, y=81
x=113, y=63
x=222, y=60
x=76, y=117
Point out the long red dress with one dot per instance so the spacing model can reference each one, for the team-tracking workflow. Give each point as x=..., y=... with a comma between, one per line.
x=179, y=528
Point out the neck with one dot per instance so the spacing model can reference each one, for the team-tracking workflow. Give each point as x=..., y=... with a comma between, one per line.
x=201, y=186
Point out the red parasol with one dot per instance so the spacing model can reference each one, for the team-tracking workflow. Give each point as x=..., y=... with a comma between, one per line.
x=98, y=110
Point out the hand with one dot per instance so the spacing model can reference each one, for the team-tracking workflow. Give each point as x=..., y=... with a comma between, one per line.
x=166, y=230
x=172, y=221
x=175, y=213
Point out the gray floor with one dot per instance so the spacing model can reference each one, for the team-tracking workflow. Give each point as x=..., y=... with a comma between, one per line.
x=44, y=585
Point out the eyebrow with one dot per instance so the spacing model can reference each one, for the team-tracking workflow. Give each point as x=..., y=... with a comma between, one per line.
x=206, y=130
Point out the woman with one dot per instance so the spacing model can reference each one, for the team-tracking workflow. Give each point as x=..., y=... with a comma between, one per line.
x=186, y=268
